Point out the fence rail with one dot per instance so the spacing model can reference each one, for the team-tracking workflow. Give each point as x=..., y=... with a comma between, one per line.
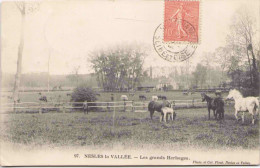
x=133, y=106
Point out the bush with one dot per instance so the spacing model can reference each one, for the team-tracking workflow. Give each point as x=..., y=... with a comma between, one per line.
x=83, y=93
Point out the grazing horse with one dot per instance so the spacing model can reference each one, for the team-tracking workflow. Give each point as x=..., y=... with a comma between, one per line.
x=247, y=104
x=157, y=106
x=43, y=98
x=210, y=103
x=142, y=97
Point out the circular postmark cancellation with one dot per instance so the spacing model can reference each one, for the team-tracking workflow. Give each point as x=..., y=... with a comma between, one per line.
x=179, y=50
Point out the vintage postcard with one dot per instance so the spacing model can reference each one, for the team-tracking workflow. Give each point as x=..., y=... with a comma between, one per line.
x=129, y=83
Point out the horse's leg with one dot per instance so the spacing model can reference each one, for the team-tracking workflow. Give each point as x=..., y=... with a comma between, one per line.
x=243, y=117
x=165, y=117
x=151, y=114
x=253, y=119
x=215, y=114
x=209, y=112
x=172, y=116
x=236, y=115
x=162, y=116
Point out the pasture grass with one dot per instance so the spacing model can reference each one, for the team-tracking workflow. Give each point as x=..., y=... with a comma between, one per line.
x=190, y=129
x=61, y=96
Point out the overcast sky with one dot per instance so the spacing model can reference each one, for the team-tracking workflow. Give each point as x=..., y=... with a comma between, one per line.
x=72, y=29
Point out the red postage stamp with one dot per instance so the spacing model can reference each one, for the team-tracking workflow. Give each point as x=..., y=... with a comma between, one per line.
x=181, y=21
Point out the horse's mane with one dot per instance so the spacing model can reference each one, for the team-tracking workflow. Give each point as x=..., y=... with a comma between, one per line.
x=236, y=92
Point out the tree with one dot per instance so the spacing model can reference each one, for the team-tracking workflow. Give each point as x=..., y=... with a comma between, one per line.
x=242, y=40
x=120, y=67
x=24, y=8
x=199, y=75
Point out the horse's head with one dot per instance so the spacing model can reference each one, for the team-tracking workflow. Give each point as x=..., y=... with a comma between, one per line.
x=233, y=94
x=203, y=96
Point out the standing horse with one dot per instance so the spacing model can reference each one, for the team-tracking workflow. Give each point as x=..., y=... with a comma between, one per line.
x=248, y=104
x=210, y=103
x=157, y=106
x=219, y=103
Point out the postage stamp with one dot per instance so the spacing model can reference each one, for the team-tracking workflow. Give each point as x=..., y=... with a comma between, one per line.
x=176, y=39
x=181, y=21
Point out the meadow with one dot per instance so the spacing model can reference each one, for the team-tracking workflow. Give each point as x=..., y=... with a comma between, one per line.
x=63, y=96
x=190, y=129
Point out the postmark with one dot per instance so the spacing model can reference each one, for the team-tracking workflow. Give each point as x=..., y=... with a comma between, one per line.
x=173, y=51
x=177, y=38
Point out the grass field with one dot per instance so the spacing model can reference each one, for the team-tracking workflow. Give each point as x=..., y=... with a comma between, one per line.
x=191, y=129
x=104, y=96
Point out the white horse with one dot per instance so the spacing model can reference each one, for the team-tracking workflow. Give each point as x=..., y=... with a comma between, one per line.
x=248, y=104
x=168, y=110
x=155, y=98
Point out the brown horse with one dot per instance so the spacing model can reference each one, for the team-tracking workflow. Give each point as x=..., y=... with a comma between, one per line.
x=157, y=106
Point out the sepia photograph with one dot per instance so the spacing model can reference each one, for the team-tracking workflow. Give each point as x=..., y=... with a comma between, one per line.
x=129, y=82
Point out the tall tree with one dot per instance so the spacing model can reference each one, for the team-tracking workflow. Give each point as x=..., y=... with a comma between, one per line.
x=119, y=67
x=242, y=35
x=24, y=8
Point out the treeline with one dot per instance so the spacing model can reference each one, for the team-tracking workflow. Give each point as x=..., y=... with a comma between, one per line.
x=41, y=80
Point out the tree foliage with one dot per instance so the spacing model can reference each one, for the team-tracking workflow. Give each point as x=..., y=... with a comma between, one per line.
x=83, y=93
x=120, y=67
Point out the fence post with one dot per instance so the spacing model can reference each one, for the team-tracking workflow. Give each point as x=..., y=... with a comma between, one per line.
x=40, y=109
x=124, y=106
x=108, y=107
x=63, y=108
x=114, y=115
x=133, y=108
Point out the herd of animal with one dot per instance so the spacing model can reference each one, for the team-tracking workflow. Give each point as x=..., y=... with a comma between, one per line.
x=248, y=104
x=216, y=104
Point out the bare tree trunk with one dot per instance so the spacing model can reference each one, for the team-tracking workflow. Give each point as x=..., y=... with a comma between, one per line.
x=19, y=64
x=49, y=70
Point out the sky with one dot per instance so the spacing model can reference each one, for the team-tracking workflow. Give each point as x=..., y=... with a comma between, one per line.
x=70, y=30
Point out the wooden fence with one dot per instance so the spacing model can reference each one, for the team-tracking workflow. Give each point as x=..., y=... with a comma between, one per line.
x=124, y=106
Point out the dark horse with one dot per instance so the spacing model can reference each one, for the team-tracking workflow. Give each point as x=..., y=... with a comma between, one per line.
x=157, y=106
x=219, y=108
x=214, y=104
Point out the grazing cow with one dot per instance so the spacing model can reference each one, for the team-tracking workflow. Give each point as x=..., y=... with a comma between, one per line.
x=154, y=98
x=124, y=97
x=98, y=94
x=43, y=98
x=157, y=106
x=168, y=110
x=142, y=97
x=40, y=93
x=68, y=94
